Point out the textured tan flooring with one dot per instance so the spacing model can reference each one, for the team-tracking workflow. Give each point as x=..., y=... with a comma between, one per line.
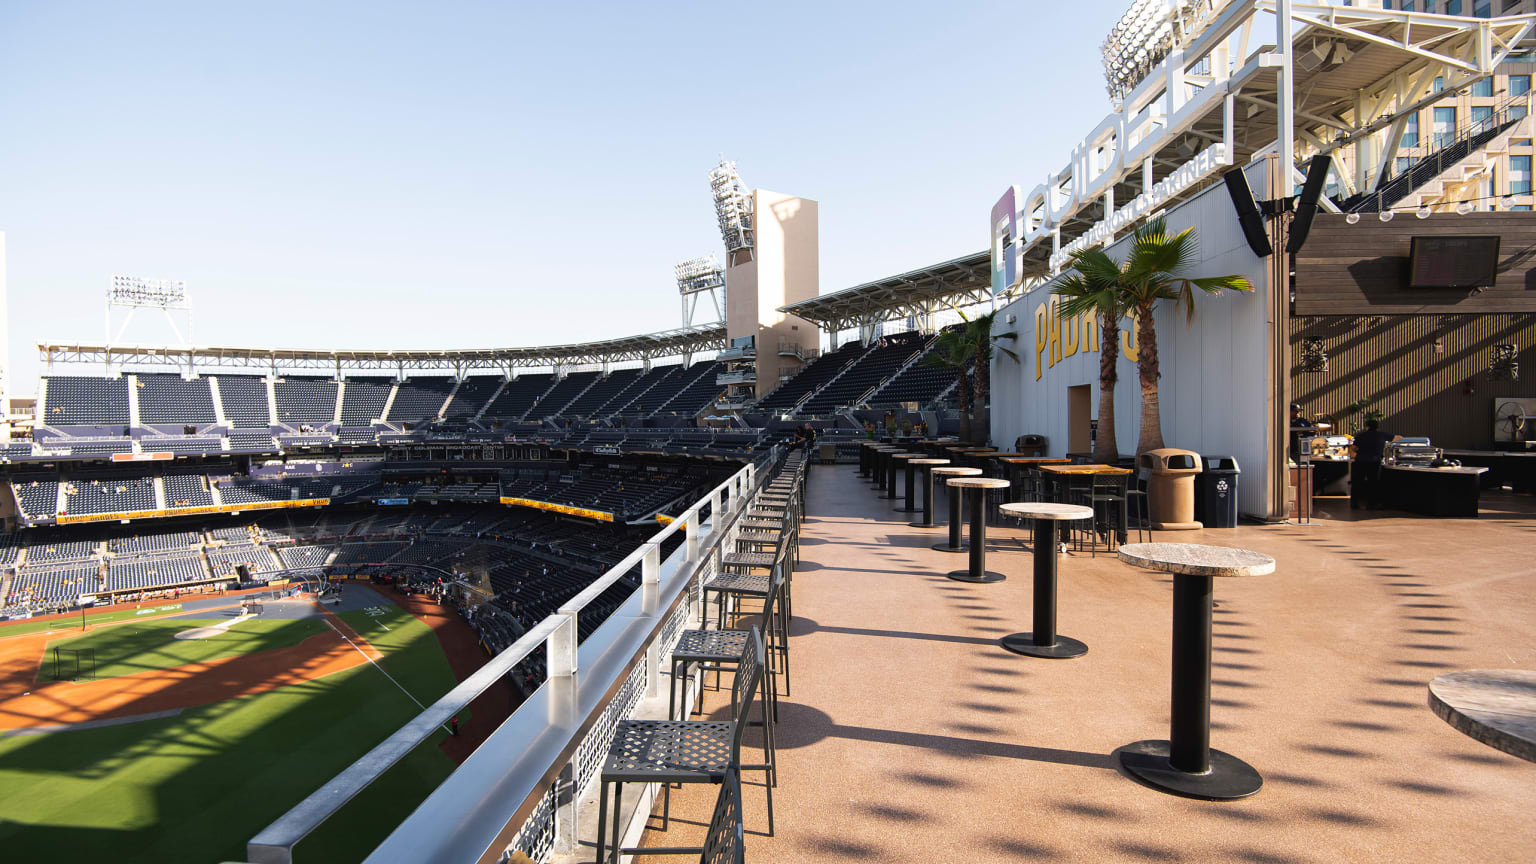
x=912, y=737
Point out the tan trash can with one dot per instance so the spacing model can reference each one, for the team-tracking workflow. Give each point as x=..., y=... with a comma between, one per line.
x=1171, y=488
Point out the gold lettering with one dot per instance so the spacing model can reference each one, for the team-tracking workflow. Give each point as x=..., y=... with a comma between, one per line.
x=1053, y=320
x=1128, y=338
x=1040, y=338
x=1071, y=330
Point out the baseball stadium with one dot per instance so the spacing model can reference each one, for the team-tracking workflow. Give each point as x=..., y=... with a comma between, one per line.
x=536, y=603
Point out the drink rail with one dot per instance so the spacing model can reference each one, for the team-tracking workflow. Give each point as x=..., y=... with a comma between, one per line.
x=519, y=787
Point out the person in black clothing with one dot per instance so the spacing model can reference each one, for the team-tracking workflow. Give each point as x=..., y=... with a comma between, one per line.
x=1299, y=427
x=1365, y=472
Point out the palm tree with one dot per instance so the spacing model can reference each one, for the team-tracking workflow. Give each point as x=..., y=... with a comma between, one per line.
x=978, y=334
x=1094, y=288
x=953, y=350
x=1157, y=269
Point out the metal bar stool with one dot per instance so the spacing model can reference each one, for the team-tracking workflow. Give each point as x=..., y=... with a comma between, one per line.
x=681, y=751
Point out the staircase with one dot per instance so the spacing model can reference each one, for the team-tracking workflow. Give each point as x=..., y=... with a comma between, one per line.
x=1466, y=155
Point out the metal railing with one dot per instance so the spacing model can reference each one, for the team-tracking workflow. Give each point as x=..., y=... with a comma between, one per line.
x=519, y=788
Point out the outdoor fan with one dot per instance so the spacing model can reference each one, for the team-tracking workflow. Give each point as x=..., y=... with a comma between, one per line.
x=1509, y=418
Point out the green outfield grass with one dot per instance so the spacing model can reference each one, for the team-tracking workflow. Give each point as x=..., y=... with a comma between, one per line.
x=146, y=645
x=197, y=786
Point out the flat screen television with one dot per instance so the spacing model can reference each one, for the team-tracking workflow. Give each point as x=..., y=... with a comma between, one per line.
x=1453, y=262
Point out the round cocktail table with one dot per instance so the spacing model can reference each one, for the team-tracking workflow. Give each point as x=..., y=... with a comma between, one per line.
x=926, y=466
x=891, y=464
x=1043, y=641
x=905, y=460
x=878, y=460
x=1494, y=706
x=955, y=544
x=977, y=488
x=1186, y=764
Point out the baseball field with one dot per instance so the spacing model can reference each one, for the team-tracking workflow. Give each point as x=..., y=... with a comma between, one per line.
x=180, y=737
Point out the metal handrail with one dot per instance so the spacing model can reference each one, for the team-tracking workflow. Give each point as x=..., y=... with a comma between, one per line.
x=548, y=736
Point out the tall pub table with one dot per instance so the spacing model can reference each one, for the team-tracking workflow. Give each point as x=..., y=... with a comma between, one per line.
x=926, y=467
x=977, y=488
x=906, y=461
x=1044, y=641
x=893, y=463
x=1186, y=764
x=955, y=543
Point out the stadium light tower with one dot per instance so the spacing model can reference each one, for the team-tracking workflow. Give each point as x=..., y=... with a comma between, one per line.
x=1146, y=33
x=134, y=293
x=733, y=209
x=698, y=276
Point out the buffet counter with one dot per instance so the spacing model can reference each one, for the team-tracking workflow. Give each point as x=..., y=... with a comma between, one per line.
x=1431, y=491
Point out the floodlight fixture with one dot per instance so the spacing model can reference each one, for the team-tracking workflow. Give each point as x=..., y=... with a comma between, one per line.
x=1146, y=34
x=733, y=206
x=699, y=274
x=136, y=291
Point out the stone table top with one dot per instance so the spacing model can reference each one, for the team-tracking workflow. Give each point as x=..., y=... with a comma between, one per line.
x=1194, y=559
x=908, y=455
x=979, y=483
x=958, y=472
x=1047, y=510
x=1494, y=706
x=937, y=462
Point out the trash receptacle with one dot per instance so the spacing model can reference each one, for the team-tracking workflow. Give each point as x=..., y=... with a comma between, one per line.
x=1171, y=488
x=1216, y=493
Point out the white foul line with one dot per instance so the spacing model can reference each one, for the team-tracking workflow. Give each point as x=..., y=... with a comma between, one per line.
x=376, y=665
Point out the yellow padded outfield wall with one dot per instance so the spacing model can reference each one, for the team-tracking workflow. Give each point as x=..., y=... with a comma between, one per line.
x=190, y=511
x=559, y=508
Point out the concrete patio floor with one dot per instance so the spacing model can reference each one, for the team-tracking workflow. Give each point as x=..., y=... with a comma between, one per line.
x=912, y=737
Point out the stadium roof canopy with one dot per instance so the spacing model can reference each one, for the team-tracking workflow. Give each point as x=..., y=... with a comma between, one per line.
x=648, y=346
x=957, y=283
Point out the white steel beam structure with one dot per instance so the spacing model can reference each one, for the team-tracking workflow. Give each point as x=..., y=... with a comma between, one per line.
x=1214, y=101
x=649, y=346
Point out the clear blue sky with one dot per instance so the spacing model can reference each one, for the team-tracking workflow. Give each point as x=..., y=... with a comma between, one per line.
x=382, y=175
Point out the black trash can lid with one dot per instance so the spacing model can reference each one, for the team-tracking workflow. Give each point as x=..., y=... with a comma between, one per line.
x=1221, y=463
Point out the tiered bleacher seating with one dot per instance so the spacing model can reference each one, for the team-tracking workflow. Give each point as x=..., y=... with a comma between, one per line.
x=350, y=555
x=419, y=399
x=303, y=557
x=120, y=495
x=9, y=549
x=224, y=561
x=86, y=401
x=37, y=499
x=52, y=553
x=588, y=403
x=136, y=544
x=308, y=401
x=866, y=373
x=181, y=444
x=518, y=398
x=356, y=434
x=363, y=399
x=15, y=450
x=639, y=391
x=86, y=446
x=129, y=574
x=918, y=383
x=699, y=391
x=243, y=491
x=55, y=586
x=171, y=399
x=817, y=373
x=187, y=490
x=563, y=394
x=245, y=401
x=473, y=393
x=252, y=442
x=233, y=534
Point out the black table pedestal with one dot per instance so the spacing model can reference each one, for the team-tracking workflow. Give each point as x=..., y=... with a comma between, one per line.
x=863, y=461
x=910, y=506
x=927, y=499
x=955, y=544
x=1186, y=764
x=879, y=470
x=890, y=479
x=1044, y=641
x=978, y=571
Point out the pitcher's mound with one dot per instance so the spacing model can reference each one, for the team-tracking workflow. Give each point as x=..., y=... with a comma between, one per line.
x=212, y=630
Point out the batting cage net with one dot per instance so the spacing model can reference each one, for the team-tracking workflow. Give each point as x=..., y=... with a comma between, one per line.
x=74, y=664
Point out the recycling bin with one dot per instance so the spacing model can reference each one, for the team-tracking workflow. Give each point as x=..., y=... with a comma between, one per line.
x=1216, y=492
x=1171, y=488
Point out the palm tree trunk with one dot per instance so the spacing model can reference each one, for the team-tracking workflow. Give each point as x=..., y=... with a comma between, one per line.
x=980, y=372
x=1104, y=450
x=963, y=397
x=1146, y=365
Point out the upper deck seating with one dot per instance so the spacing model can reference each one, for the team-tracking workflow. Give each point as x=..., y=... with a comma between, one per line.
x=245, y=401
x=171, y=399
x=309, y=401
x=86, y=401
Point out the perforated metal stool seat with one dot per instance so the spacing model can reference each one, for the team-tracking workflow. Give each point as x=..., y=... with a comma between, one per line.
x=759, y=535
x=760, y=521
x=717, y=645
x=748, y=559
x=668, y=751
x=749, y=584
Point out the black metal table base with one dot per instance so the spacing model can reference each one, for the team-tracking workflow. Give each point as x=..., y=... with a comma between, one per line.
x=967, y=576
x=1064, y=648
x=1228, y=779
x=945, y=547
